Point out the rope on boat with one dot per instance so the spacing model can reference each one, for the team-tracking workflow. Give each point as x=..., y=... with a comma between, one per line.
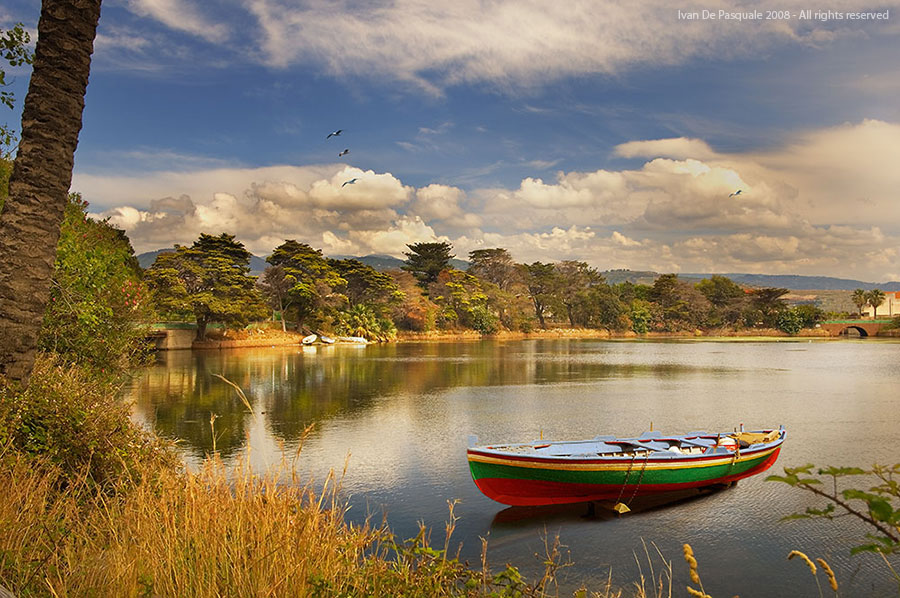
x=640, y=479
x=627, y=473
x=621, y=507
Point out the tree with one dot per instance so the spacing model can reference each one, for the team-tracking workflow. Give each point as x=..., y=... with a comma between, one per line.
x=426, y=260
x=765, y=305
x=495, y=266
x=789, y=321
x=682, y=306
x=540, y=280
x=726, y=296
x=809, y=315
x=311, y=280
x=573, y=281
x=98, y=310
x=875, y=298
x=604, y=309
x=364, y=284
x=859, y=300
x=41, y=176
x=211, y=279
x=641, y=315
x=363, y=320
x=276, y=288
x=414, y=311
x=460, y=296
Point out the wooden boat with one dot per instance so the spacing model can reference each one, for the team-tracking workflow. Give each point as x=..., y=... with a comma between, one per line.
x=610, y=468
x=308, y=340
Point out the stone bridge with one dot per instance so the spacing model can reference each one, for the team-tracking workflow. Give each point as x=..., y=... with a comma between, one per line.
x=863, y=327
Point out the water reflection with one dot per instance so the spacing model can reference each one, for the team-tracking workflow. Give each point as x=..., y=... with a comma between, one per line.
x=291, y=387
x=404, y=411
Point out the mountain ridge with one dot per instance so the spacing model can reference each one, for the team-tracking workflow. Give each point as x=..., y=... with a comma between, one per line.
x=383, y=262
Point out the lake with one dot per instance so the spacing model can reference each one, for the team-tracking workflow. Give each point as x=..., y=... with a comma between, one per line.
x=403, y=413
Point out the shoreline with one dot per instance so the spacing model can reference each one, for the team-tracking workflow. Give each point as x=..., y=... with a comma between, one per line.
x=271, y=338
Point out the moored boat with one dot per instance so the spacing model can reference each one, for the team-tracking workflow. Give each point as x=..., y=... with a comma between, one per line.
x=610, y=468
x=308, y=340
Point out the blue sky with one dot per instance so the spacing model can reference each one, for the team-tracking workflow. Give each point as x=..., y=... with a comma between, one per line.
x=594, y=131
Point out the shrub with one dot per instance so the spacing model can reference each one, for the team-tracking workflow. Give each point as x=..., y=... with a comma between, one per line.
x=70, y=419
x=484, y=321
x=98, y=309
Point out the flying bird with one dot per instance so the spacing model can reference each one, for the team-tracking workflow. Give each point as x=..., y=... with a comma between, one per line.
x=334, y=134
x=350, y=182
x=343, y=153
x=738, y=192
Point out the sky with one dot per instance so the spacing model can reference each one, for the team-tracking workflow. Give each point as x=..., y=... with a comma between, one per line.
x=613, y=133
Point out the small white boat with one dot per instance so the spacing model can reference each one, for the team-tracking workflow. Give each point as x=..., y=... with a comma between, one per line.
x=308, y=340
x=355, y=340
x=326, y=339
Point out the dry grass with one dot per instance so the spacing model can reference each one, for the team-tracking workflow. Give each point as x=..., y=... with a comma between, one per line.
x=177, y=534
x=221, y=532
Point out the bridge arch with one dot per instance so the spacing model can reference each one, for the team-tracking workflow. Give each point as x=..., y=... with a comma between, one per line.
x=846, y=331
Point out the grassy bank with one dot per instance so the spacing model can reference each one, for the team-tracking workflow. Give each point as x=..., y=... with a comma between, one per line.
x=93, y=506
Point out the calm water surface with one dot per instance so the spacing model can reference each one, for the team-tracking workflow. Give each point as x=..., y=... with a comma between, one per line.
x=403, y=412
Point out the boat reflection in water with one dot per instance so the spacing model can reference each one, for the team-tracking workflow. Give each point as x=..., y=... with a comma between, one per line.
x=599, y=511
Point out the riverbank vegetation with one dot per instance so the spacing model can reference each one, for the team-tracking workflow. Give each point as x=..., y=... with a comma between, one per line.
x=211, y=281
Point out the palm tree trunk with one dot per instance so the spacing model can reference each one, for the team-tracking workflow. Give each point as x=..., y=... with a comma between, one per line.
x=42, y=173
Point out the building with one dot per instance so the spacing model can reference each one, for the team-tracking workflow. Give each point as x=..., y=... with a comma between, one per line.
x=888, y=309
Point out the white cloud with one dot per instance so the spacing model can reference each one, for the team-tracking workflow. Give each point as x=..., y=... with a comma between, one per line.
x=181, y=16
x=680, y=148
x=797, y=210
x=516, y=42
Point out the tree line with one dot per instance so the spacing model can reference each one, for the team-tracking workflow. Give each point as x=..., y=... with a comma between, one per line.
x=307, y=291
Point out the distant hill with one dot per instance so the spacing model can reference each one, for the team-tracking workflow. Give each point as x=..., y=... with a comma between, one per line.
x=632, y=276
x=387, y=262
x=787, y=281
x=258, y=264
x=796, y=282
x=146, y=259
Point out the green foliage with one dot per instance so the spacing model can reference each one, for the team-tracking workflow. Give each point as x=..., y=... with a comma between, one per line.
x=720, y=290
x=727, y=298
x=572, y=290
x=541, y=281
x=495, y=266
x=98, y=309
x=69, y=418
x=878, y=505
x=641, y=316
x=362, y=320
x=484, y=321
x=311, y=280
x=364, y=284
x=682, y=307
x=809, y=315
x=211, y=280
x=14, y=51
x=788, y=321
x=426, y=260
x=874, y=298
x=765, y=305
x=859, y=300
x=458, y=294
